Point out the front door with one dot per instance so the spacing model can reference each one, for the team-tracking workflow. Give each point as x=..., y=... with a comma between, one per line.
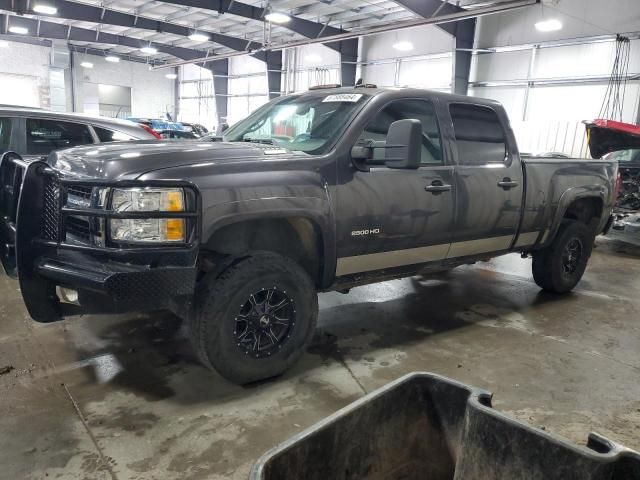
x=389, y=218
x=488, y=181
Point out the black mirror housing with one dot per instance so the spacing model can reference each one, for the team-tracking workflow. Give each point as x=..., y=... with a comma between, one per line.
x=402, y=149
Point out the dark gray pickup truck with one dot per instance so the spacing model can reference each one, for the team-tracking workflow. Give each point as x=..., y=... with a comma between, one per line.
x=313, y=192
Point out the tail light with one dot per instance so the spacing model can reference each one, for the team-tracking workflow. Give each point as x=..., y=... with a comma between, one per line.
x=618, y=188
x=150, y=130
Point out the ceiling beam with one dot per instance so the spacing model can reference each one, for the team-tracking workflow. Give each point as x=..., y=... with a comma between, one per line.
x=301, y=26
x=90, y=13
x=430, y=8
x=42, y=29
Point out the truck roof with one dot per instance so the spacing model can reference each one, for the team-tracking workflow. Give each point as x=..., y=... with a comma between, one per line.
x=401, y=92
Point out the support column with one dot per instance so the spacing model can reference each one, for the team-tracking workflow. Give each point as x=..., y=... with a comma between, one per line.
x=348, y=59
x=273, y=61
x=220, y=70
x=464, y=35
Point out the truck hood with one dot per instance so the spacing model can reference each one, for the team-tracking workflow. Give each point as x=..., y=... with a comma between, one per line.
x=606, y=136
x=129, y=160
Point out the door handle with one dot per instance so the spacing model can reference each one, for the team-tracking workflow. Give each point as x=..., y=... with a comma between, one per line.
x=437, y=187
x=506, y=183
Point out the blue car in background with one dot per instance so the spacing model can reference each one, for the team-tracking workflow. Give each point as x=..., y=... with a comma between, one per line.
x=165, y=128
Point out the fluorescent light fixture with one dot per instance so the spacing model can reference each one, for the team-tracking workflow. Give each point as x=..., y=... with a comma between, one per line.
x=112, y=58
x=403, y=46
x=277, y=17
x=19, y=30
x=149, y=50
x=313, y=58
x=45, y=9
x=171, y=76
x=199, y=37
x=550, y=25
x=4, y=44
x=86, y=65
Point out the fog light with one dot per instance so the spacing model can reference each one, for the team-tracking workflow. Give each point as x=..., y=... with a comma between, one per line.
x=67, y=295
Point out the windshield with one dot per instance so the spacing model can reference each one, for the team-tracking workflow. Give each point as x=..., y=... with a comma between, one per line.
x=307, y=123
x=626, y=156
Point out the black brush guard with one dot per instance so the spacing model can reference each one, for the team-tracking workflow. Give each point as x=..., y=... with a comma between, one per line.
x=424, y=426
x=109, y=278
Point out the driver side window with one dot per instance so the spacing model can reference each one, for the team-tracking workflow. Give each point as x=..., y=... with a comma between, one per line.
x=423, y=110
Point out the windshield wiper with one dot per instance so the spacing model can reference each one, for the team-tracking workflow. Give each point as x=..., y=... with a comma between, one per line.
x=265, y=141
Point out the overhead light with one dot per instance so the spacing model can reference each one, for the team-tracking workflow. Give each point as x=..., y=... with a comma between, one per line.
x=171, y=76
x=45, y=9
x=19, y=30
x=199, y=37
x=86, y=65
x=112, y=58
x=277, y=17
x=549, y=25
x=149, y=50
x=403, y=46
x=313, y=58
x=4, y=44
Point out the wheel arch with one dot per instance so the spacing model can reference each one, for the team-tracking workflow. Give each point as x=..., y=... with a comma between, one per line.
x=584, y=204
x=299, y=235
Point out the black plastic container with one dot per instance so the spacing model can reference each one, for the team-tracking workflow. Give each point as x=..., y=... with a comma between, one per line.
x=424, y=426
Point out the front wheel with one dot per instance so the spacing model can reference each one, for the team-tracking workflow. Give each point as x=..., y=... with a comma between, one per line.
x=255, y=320
x=560, y=266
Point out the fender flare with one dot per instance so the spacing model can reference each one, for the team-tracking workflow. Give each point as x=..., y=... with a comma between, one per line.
x=568, y=197
x=316, y=210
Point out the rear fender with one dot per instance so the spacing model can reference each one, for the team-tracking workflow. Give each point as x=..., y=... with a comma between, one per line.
x=567, y=198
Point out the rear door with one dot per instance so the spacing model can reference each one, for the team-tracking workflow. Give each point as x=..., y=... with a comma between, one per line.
x=388, y=218
x=488, y=181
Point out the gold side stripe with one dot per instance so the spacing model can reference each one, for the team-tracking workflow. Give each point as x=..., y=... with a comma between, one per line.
x=482, y=245
x=394, y=258
x=526, y=239
x=412, y=256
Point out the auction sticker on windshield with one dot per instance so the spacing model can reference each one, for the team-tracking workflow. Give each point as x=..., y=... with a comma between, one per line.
x=343, y=97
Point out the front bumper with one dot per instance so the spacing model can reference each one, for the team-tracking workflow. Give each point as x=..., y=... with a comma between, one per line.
x=38, y=246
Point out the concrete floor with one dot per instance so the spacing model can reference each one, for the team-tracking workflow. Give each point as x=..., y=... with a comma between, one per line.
x=123, y=397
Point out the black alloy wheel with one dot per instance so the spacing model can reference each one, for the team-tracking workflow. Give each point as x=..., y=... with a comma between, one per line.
x=265, y=322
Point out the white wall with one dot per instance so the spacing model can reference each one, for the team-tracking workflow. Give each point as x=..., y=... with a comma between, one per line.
x=548, y=116
x=24, y=75
x=152, y=94
x=580, y=18
x=197, y=101
x=315, y=65
x=427, y=65
x=248, y=90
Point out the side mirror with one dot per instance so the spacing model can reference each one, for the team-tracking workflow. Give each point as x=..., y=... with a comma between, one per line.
x=402, y=149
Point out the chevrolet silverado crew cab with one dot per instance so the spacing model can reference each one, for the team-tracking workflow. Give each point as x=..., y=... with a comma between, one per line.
x=313, y=192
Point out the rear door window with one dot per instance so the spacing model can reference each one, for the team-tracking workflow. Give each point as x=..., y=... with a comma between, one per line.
x=106, y=135
x=44, y=136
x=5, y=133
x=479, y=134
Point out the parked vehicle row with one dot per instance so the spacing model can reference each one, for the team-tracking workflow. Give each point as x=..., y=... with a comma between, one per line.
x=168, y=129
x=34, y=133
x=313, y=192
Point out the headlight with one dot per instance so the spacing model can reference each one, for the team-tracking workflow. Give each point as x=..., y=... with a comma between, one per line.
x=148, y=229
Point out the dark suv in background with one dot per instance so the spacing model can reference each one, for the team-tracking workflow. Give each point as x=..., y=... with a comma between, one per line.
x=34, y=132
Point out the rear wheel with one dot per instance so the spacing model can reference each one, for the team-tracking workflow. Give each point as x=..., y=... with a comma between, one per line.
x=560, y=266
x=255, y=319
